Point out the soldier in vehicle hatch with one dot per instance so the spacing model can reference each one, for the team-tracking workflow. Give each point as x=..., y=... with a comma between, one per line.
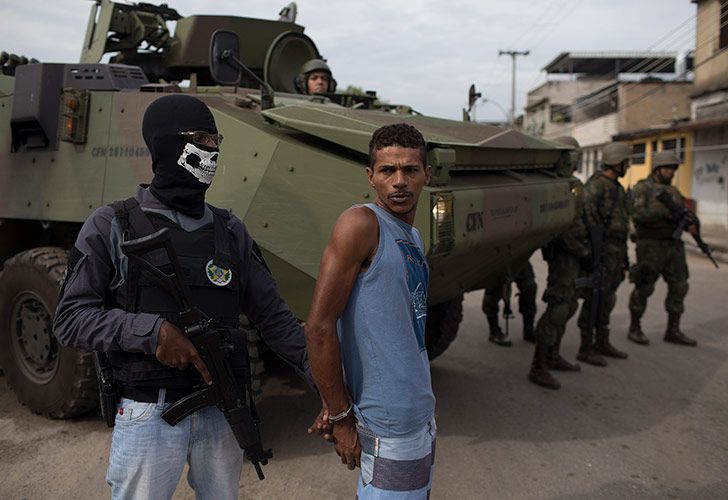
x=525, y=280
x=607, y=220
x=566, y=256
x=315, y=77
x=659, y=253
x=106, y=304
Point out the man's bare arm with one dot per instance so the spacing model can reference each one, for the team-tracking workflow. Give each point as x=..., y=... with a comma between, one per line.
x=353, y=242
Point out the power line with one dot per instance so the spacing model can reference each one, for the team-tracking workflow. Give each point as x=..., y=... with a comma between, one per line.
x=669, y=37
x=540, y=20
x=584, y=106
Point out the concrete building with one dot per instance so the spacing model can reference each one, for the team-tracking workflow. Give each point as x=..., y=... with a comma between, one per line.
x=548, y=106
x=607, y=94
x=709, y=113
x=626, y=107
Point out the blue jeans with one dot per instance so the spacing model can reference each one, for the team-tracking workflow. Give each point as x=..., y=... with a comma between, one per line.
x=148, y=455
x=396, y=468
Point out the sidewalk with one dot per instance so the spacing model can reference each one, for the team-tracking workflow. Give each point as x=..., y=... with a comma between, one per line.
x=717, y=240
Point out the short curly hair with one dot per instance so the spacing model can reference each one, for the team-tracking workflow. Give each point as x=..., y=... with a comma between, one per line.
x=398, y=134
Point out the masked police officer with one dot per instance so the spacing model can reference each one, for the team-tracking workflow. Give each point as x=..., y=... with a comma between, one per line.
x=658, y=253
x=315, y=77
x=108, y=305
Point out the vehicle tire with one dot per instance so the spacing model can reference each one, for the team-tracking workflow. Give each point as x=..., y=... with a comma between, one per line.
x=442, y=325
x=50, y=379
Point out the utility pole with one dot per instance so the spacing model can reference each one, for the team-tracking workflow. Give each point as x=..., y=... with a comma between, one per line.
x=513, y=54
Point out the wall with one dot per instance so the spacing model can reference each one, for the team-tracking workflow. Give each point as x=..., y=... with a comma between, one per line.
x=683, y=176
x=710, y=74
x=555, y=92
x=646, y=105
x=596, y=132
x=710, y=175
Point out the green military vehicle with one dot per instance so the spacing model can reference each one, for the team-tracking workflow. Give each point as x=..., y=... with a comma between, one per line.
x=70, y=142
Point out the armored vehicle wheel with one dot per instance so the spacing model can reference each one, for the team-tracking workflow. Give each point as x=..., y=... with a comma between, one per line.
x=443, y=321
x=50, y=379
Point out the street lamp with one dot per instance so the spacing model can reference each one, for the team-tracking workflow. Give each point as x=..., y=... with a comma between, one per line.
x=505, y=113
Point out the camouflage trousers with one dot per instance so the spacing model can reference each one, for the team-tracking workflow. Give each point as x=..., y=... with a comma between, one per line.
x=525, y=280
x=614, y=262
x=657, y=258
x=560, y=297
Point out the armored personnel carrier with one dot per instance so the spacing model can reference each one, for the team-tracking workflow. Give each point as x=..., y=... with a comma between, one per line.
x=70, y=141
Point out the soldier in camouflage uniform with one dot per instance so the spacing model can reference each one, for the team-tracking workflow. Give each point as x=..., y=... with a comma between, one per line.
x=658, y=253
x=566, y=256
x=525, y=280
x=605, y=206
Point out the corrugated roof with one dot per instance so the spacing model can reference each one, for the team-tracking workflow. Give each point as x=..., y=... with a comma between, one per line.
x=606, y=62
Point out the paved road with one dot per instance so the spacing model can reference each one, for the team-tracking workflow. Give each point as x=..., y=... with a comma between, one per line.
x=653, y=426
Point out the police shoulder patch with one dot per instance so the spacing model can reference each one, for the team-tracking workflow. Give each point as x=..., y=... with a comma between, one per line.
x=217, y=275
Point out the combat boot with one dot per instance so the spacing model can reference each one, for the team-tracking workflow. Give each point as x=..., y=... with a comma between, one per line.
x=586, y=351
x=497, y=336
x=539, y=373
x=603, y=347
x=636, y=334
x=554, y=361
x=529, y=334
x=673, y=333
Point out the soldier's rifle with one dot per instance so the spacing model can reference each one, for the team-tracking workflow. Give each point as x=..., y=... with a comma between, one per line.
x=685, y=219
x=596, y=282
x=506, y=293
x=212, y=344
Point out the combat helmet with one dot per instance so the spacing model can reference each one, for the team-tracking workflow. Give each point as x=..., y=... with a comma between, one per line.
x=615, y=153
x=309, y=67
x=564, y=169
x=664, y=159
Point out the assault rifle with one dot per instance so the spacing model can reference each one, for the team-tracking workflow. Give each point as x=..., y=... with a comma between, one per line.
x=596, y=282
x=506, y=292
x=685, y=219
x=211, y=342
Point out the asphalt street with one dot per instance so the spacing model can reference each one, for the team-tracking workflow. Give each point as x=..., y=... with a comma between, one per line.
x=653, y=426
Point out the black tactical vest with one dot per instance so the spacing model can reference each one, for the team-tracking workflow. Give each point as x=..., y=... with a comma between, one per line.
x=205, y=255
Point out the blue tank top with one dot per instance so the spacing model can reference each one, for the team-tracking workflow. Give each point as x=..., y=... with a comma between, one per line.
x=382, y=334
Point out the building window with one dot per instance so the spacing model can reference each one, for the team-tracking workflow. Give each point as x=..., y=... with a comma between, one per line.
x=675, y=146
x=723, y=38
x=638, y=153
x=654, y=147
x=560, y=113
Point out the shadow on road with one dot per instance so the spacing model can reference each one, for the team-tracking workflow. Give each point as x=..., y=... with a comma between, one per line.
x=628, y=397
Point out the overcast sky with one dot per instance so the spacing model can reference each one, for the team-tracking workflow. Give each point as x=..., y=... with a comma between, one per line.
x=422, y=53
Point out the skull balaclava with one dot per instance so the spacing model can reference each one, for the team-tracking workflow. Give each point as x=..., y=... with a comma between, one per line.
x=182, y=170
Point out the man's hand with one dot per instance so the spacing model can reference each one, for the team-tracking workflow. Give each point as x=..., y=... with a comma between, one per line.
x=693, y=229
x=321, y=425
x=174, y=349
x=346, y=441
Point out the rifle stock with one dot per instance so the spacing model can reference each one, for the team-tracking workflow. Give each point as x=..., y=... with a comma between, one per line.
x=597, y=236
